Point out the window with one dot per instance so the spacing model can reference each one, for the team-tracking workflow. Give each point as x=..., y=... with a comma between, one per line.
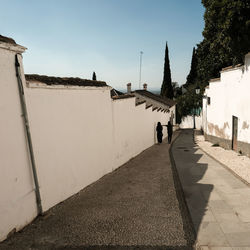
x=208, y=100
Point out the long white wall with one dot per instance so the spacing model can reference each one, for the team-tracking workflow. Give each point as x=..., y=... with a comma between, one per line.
x=79, y=134
x=134, y=128
x=229, y=97
x=72, y=138
x=17, y=197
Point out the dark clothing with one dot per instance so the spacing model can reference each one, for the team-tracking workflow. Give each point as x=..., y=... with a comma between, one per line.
x=169, y=138
x=170, y=129
x=159, y=137
x=170, y=132
x=159, y=133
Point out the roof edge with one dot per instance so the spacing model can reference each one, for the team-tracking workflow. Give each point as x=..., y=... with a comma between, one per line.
x=13, y=47
x=166, y=101
x=125, y=96
x=139, y=103
x=67, y=81
x=214, y=80
x=7, y=39
x=232, y=67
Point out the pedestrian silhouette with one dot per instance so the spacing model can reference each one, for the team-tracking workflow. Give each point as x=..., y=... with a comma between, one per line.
x=170, y=131
x=159, y=132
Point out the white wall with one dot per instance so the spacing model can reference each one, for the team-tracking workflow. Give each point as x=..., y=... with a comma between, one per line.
x=156, y=104
x=134, y=128
x=229, y=97
x=72, y=136
x=17, y=197
x=172, y=113
x=188, y=122
x=204, y=114
x=79, y=134
x=150, y=101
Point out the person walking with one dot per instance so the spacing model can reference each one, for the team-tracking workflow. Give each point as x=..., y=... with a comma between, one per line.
x=170, y=131
x=159, y=132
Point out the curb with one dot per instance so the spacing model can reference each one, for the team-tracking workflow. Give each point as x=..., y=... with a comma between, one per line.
x=190, y=233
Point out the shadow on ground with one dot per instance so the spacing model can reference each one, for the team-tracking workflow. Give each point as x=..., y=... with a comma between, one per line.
x=189, y=170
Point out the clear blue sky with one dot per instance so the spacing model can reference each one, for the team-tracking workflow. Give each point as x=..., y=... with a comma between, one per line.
x=77, y=37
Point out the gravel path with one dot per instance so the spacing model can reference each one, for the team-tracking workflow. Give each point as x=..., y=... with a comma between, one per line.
x=134, y=207
x=239, y=164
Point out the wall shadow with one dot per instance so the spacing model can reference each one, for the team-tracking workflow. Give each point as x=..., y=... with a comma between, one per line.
x=191, y=188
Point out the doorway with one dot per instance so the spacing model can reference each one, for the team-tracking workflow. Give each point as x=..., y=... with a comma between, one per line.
x=235, y=132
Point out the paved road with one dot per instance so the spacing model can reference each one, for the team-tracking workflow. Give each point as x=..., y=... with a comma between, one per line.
x=218, y=201
x=134, y=207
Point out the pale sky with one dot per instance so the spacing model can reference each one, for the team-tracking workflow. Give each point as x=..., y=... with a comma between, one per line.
x=76, y=37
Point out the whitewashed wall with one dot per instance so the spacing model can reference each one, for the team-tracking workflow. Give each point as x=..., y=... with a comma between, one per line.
x=71, y=128
x=229, y=97
x=79, y=134
x=188, y=122
x=204, y=115
x=17, y=197
x=156, y=104
x=172, y=112
x=134, y=128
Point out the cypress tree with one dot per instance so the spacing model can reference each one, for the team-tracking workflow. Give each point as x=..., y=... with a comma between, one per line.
x=94, y=76
x=191, y=78
x=166, y=87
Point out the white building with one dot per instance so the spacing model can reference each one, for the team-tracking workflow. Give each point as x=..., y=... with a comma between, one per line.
x=226, y=102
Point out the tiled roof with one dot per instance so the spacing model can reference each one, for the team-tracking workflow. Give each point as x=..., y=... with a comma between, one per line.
x=139, y=103
x=114, y=92
x=122, y=96
x=7, y=39
x=51, y=80
x=148, y=94
x=149, y=106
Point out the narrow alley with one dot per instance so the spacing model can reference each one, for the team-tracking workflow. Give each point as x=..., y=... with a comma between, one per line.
x=134, y=207
x=174, y=197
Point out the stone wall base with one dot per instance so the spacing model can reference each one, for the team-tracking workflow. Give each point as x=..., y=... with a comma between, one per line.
x=243, y=147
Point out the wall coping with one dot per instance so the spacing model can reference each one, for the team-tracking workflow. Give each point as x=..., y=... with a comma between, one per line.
x=215, y=80
x=40, y=85
x=232, y=68
x=12, y=47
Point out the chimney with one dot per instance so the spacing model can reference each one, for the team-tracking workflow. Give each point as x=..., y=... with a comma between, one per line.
x=129, y=88
x=145, y=86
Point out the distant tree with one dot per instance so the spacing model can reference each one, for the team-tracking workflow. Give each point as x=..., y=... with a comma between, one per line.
x=175, y=85
x=166, y=87
x=193, y=70
x=226, y=38
x=94, y=76
x=176, y=89
x=188, y=103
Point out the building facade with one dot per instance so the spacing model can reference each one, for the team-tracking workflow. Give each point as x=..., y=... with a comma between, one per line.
x=226, y=102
